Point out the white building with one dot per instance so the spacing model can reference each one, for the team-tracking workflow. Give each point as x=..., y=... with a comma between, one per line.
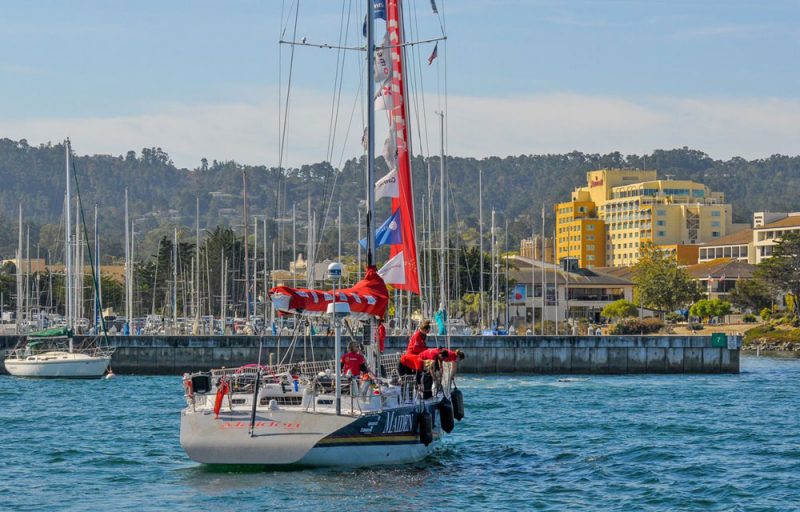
x=752, y=245
x=580, y=293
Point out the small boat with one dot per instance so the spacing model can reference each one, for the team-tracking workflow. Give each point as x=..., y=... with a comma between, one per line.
x=52, y=354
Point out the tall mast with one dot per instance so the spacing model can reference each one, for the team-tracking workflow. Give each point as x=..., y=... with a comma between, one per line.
x=28, y=273
x=96, y=309
x=67, y=243
x=544, y=273
x=37, y=291
x=310, y=248
x=533, y=277
x=175, y=280
x=358, y=245
x=128, y=263
x=505, y=257
x=77, y=262
x=428, y=242
x=133, y=283
x=255, y=264
x=267, y=302
x=19, y=272
x=442, y=293
x=370, y=131
x=223, y=270
x=197, y=261
x=480, y=241
x=246, y=254
x=555, y=273
x=339, y=222
x=494, y=269
x=271, y=275
x=294, y=246
x=425, y=293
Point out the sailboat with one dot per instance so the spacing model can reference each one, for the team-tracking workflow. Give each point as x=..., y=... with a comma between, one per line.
x=309, y=413
x=52, y=353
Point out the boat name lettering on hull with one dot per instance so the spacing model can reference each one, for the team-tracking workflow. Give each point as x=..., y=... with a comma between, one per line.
x=259, y=424
x=398, y=423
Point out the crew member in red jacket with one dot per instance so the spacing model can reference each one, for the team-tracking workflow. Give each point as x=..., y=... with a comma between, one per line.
x=410, y=364
x=441, y=354
x=353, y=361
x=380, y=333
x=417, y=342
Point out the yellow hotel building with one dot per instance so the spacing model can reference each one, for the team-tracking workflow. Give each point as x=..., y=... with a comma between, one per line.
x=607, y=221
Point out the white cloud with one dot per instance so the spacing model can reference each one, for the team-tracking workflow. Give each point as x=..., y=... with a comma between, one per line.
x=751, y=128
x=478, y=127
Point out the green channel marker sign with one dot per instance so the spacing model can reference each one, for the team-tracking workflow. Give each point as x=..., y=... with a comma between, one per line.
x=719, y=339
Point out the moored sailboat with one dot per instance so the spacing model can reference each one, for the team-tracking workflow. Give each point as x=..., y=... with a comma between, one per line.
x=309, y=413
x=52, y=353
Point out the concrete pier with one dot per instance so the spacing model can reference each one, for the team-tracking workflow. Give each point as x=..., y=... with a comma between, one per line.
x=172, y=355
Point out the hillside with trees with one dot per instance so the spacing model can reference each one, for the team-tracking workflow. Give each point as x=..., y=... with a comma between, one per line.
x=163, y=196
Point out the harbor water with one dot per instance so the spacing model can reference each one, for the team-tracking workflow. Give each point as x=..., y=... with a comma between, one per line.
x=643, y=442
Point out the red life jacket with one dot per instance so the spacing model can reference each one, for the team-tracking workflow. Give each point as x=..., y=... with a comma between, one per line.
x=412, y=361
x=445, y=355
x=417, y=343
x=430, y=354
x=352, y=361
x=449, y=356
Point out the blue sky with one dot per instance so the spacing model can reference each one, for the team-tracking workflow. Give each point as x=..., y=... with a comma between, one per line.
x=200, y=78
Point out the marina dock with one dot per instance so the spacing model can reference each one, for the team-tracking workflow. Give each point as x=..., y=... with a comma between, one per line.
x=174, y=355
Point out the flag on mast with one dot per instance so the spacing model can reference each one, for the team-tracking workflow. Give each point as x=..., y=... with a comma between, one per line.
x=387, y=186
x=388, y=234
x=434, y=53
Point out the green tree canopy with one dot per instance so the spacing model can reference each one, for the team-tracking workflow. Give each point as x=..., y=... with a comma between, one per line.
x=753, y=294
x=706, y=308
x=620, y=309
x=660, y=282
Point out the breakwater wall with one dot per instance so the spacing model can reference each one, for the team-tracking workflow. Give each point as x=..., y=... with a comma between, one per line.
x=172, y=355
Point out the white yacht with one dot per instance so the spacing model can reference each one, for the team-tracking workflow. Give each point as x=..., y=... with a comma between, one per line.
x=287, y=415
x=51, y=354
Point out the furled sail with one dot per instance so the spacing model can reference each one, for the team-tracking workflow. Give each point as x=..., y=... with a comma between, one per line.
x=367, y=298
x=406, y=277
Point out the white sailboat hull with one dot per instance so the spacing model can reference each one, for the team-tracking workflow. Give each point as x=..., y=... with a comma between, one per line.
x=297, y=437
x=61, y=365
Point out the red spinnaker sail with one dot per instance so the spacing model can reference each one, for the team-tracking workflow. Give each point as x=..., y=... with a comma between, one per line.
x=405, y=202
x=368, y=298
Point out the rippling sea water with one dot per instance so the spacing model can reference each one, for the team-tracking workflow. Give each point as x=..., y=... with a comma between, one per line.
x=715, y=442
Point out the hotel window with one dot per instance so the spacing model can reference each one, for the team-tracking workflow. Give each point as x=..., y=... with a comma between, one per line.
x=715, y=234
x=664, y=233
x=661, y=223
x=590, y=257
x=715, y=213
x=590, y=227
x=714, y=223
x=661, y=213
